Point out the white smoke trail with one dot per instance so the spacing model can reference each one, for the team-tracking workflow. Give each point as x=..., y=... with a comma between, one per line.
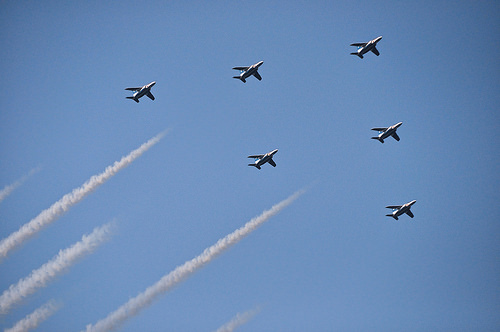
x=67, y=201
x=34, y=319
x=64, y=259
x=134, y=305
x=238, y=320
x=7, y=190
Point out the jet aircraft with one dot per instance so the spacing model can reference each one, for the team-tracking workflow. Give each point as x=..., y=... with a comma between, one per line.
x=367, y=47
x=142, y=91
x=401, y=209
x=386, y=132
x=261, y=159
x=249, y=71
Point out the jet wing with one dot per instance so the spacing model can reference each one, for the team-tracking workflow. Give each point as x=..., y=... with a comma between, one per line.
x=257, y=75
x=150, y=95
x=379, y=129
x=396, y=137
x=359, y=44
x=410, y=213
x=133, y=89
x=374, y=50
x=272, y=162
x=394, y=206
x=241, y=68
x=256, y=156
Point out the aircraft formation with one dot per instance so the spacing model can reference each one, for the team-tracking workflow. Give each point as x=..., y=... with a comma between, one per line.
x=261, y=159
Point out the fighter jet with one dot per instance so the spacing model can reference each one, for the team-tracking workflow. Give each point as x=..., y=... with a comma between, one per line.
x=401, y=209
x=367, y=47
x=386, y=132
x=144, y=90
x=261, y=159
x=249, y=71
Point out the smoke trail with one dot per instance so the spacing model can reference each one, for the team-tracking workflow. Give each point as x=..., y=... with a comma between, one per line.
x=64, y=259
x=7, y=190
x=238, y=320
x=67, y=201
x=134, y=305
x=35, y=318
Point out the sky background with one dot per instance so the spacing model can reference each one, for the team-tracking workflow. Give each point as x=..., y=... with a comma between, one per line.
x=332, y=261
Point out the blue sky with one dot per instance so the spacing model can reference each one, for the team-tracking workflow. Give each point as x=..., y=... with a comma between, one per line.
x=331, y=260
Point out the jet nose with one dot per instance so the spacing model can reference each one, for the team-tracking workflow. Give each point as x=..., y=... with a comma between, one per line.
x=379, y=38
x=399, y=124
x=274, y=151
x=152, y=83
x=413, y=202
x=259, y=63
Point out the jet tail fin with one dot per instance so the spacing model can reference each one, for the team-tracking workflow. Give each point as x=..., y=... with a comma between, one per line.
x=379, y=139
x=254, y=165
x=242, y=79
x=136, y=100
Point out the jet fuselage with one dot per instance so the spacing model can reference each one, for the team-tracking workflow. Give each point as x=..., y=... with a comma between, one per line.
x=405, y=208
x=268, y=156
x=143, y=91
x=390, y=131
x=385, y=132
x=262, y=159
x=252, y=70
x=365, y=48
x=371, y=44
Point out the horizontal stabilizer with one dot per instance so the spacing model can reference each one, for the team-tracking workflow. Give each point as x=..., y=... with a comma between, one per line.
x=254, y=165
x=379, y=139
x=358, y=54
x=391, y=215
x=136, y=100
x=240, y=78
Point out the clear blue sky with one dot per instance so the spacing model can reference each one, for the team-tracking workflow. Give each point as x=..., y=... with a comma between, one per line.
x=331, y=261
